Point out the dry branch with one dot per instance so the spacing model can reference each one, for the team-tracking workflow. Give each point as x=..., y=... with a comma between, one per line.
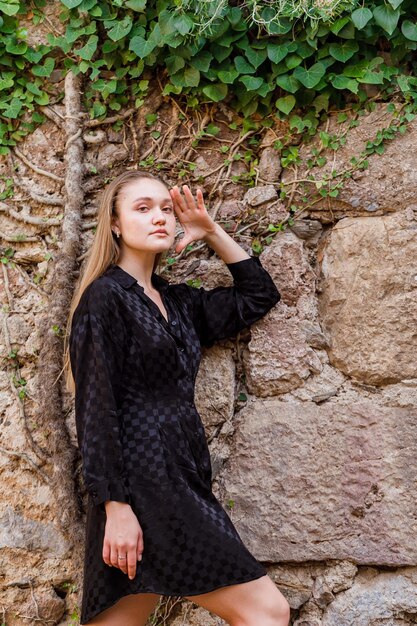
x=50, y=412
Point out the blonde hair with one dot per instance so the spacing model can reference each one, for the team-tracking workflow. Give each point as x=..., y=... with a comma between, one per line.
x=104, y=251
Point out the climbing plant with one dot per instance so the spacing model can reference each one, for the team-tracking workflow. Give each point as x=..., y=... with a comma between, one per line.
x=257, y=56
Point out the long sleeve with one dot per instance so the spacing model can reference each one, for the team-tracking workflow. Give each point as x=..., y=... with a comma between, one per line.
x=222, y=312
x=96, y=353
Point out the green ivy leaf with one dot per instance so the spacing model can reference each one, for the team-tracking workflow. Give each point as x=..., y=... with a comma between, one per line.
x=87, y=51
x=86, y=5
x=386, y=17
x=188, y=77
x=372, y=78
x=409, y=30
x=395, y=3
x=285, y=104
x=212, y=129
x=16, y=47
x=404, y=83
x=6, y=83
x=45, y=69
x=292, y=61
x=277, y=52
x=243, y=67
x=99, y=109
x=141, y=47
x=228, y=76
x=360, y=17
x=120, y=29
x=13, y=108
x=174, y=63
x=191, y=76
x=256, y=57
x=252, y=83
x=71, y=4
x=344, y=82
x=43, y=99
x=337, y=26
x=182, y=23
x=10, y=8
x=343, y=51
x=215, y=92
x=321, y=102
x=288, y=83
x=202, y=61
x=311, y=77
x=136, y=5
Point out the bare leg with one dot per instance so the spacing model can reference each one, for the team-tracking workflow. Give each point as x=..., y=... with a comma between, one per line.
x=254, y=603
x=131, y=610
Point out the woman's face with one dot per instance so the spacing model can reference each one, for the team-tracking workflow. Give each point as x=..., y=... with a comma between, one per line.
x=144, y=207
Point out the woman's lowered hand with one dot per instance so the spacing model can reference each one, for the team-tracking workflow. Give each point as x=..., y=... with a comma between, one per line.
x=123, y=537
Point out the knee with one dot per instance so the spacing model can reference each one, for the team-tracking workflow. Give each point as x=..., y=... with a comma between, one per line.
x=275, y=611
x=280, y=612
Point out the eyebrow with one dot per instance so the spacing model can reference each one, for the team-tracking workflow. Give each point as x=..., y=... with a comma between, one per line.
x=151, y=199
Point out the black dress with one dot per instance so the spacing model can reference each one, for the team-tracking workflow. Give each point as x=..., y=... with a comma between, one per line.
x=141, y=437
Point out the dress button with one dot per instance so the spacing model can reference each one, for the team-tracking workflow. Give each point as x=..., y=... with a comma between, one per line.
x=173, y=323
x=181, y=349
x=94, y=494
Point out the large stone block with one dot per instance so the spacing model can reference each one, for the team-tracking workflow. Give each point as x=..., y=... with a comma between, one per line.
x=334, y=481
x=369, y=296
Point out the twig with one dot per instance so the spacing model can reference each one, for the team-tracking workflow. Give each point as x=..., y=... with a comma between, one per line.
x=109, y=120
x=25, y=457
x=29, y=219
x=35, y=168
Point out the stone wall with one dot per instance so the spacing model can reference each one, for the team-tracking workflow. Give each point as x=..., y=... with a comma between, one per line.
x=311, y=415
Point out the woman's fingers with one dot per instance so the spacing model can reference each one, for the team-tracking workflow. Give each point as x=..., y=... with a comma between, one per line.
x=115, y=552
x=177, y=199
x=106, y=553
x=189, y=204
x=131, y=561
x=139, y=547
x=124, y=554
x=189, y=197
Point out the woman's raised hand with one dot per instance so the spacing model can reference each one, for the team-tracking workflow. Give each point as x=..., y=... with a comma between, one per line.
x=123, y=537
x=192, y=215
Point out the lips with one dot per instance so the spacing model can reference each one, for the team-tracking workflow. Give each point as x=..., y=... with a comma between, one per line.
x=161, y=230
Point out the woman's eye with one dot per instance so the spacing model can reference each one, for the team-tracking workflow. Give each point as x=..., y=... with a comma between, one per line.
x=169, y=208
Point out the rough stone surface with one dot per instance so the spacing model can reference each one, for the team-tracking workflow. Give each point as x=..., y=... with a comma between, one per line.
x=387, y=185
x=321, y=461
x=279, y=357
x=215, y=386
x=260, y=195
x=368, y=298
x=375, y=599
x=270, y=166
x=335, y=481
x=20, y=532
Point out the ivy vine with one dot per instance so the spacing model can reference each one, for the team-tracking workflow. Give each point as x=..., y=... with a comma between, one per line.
x=258, y=57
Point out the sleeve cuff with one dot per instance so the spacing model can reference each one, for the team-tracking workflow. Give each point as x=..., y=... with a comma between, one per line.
x=114, y=489
x=246, y=268
x=251, y=272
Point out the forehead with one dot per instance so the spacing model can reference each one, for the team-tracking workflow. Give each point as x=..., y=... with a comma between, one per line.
x=144, y=187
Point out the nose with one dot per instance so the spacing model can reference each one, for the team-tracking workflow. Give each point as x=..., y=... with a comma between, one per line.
x=159, y=215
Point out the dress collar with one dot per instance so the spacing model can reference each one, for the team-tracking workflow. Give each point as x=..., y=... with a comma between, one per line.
x=127, y=280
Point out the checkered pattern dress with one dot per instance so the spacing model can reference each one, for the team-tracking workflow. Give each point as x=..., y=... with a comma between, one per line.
x=141, y=437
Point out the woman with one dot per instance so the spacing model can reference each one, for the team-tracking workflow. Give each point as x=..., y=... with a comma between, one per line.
x=154, y=526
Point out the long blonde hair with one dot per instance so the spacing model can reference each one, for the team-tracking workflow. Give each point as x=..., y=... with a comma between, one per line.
x=104, y=251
